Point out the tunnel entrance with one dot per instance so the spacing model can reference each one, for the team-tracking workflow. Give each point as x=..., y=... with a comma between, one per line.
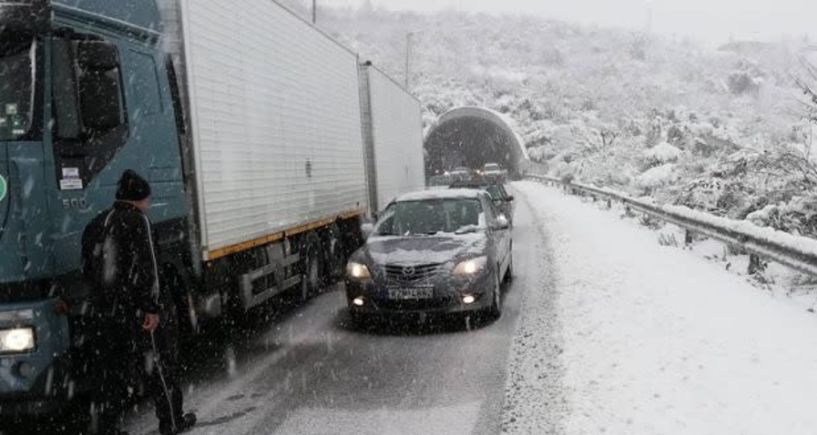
x=471, y=137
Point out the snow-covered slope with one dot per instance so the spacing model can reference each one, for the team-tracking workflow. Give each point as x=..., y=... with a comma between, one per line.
x=655, y=340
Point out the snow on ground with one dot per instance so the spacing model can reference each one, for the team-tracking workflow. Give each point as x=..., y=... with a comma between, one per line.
x=782, y=283
x=657, y=176
x=663, y=153
x=656, y=340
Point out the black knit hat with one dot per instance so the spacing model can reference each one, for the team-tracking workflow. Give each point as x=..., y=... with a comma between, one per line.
x=132, y=187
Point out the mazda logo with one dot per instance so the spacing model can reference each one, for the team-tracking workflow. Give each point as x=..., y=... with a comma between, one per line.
x=408, y=271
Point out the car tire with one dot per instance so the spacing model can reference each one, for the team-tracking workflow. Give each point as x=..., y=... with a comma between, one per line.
x=509, y=271
x=357, y=319
x=495, y=311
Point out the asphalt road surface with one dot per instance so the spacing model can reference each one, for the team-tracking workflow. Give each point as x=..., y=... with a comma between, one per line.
x=307, y=371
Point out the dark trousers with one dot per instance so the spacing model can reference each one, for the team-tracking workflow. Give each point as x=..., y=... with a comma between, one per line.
x=129, y=359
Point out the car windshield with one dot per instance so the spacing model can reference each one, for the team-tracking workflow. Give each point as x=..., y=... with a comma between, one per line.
x=430, y=217
x=17, y=72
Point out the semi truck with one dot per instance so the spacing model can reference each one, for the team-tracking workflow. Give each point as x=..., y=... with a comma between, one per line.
x=262, y=137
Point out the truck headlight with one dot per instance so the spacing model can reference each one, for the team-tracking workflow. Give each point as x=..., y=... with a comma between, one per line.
x=470, y=267
x=16, y=340
x=357, y=271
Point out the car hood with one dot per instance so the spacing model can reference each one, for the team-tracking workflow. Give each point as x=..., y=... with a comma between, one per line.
x=415, y=250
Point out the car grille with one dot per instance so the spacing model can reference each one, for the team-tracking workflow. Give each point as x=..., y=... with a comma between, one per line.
x=412, y=273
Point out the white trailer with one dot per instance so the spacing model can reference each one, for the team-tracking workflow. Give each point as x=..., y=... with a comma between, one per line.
x=393, y=134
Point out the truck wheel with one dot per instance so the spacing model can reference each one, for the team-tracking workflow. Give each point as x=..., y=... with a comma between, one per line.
x=312, y=269
x=336, y=253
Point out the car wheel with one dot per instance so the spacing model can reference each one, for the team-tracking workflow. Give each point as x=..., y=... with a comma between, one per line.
x=356, y=319
x=509, y=271
x=495, y=312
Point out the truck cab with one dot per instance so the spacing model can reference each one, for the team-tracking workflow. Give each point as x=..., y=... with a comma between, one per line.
x=86, y=95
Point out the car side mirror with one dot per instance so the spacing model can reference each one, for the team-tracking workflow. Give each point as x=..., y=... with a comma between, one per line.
x=510, y=198
x=366, y=229
x=502, y=223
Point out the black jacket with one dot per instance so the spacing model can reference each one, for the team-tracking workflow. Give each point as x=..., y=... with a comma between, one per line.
x=119, y=260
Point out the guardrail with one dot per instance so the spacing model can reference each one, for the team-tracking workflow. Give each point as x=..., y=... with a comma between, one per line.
x=797, y=252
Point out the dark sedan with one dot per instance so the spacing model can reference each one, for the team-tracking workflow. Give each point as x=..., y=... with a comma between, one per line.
x=499, y=195
x=438, y=251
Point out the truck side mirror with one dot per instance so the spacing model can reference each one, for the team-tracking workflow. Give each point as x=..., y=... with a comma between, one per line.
x=100, y=86
x=366, y=228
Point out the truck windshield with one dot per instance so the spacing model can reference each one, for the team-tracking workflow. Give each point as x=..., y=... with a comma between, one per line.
x=17, y=73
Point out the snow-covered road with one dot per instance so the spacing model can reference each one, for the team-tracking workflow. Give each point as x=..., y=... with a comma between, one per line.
x=651, y=339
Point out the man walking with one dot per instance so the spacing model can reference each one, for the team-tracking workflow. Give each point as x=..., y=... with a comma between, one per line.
x=135, y=341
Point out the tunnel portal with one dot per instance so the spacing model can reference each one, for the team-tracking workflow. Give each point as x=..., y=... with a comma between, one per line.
x=471, y=137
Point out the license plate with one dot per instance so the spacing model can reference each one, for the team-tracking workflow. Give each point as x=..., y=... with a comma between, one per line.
x=411, y=293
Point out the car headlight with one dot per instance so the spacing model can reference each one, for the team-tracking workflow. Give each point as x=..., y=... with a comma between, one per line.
x=357, y=271
x=16, y=340
x=471, y=267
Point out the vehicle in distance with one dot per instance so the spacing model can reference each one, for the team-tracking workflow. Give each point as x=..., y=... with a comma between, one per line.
x=493, y=170
x=459, y=173
x=502, y=200
x=439, y=251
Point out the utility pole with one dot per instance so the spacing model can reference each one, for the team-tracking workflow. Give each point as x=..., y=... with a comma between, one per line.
x=408, y=57
x=314, y=11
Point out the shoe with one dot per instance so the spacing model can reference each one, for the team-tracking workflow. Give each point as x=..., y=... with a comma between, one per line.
x=188, y=421
x=183, y=424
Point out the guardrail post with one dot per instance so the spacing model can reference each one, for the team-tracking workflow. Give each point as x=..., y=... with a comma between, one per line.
x=755, y=265
x=609, y=203
x=688, y=237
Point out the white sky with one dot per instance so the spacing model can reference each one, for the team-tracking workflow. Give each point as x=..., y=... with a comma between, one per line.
x=708, y=20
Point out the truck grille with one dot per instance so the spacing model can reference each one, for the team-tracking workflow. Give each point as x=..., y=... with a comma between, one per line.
x=412, y=273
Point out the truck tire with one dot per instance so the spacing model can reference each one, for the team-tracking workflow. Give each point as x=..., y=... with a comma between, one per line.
x=313, y=268
x=336, y=254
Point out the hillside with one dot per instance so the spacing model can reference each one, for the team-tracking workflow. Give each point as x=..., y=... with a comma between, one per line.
x=720, y=130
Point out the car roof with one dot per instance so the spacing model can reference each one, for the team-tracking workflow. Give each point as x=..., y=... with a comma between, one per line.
x=425, y=195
